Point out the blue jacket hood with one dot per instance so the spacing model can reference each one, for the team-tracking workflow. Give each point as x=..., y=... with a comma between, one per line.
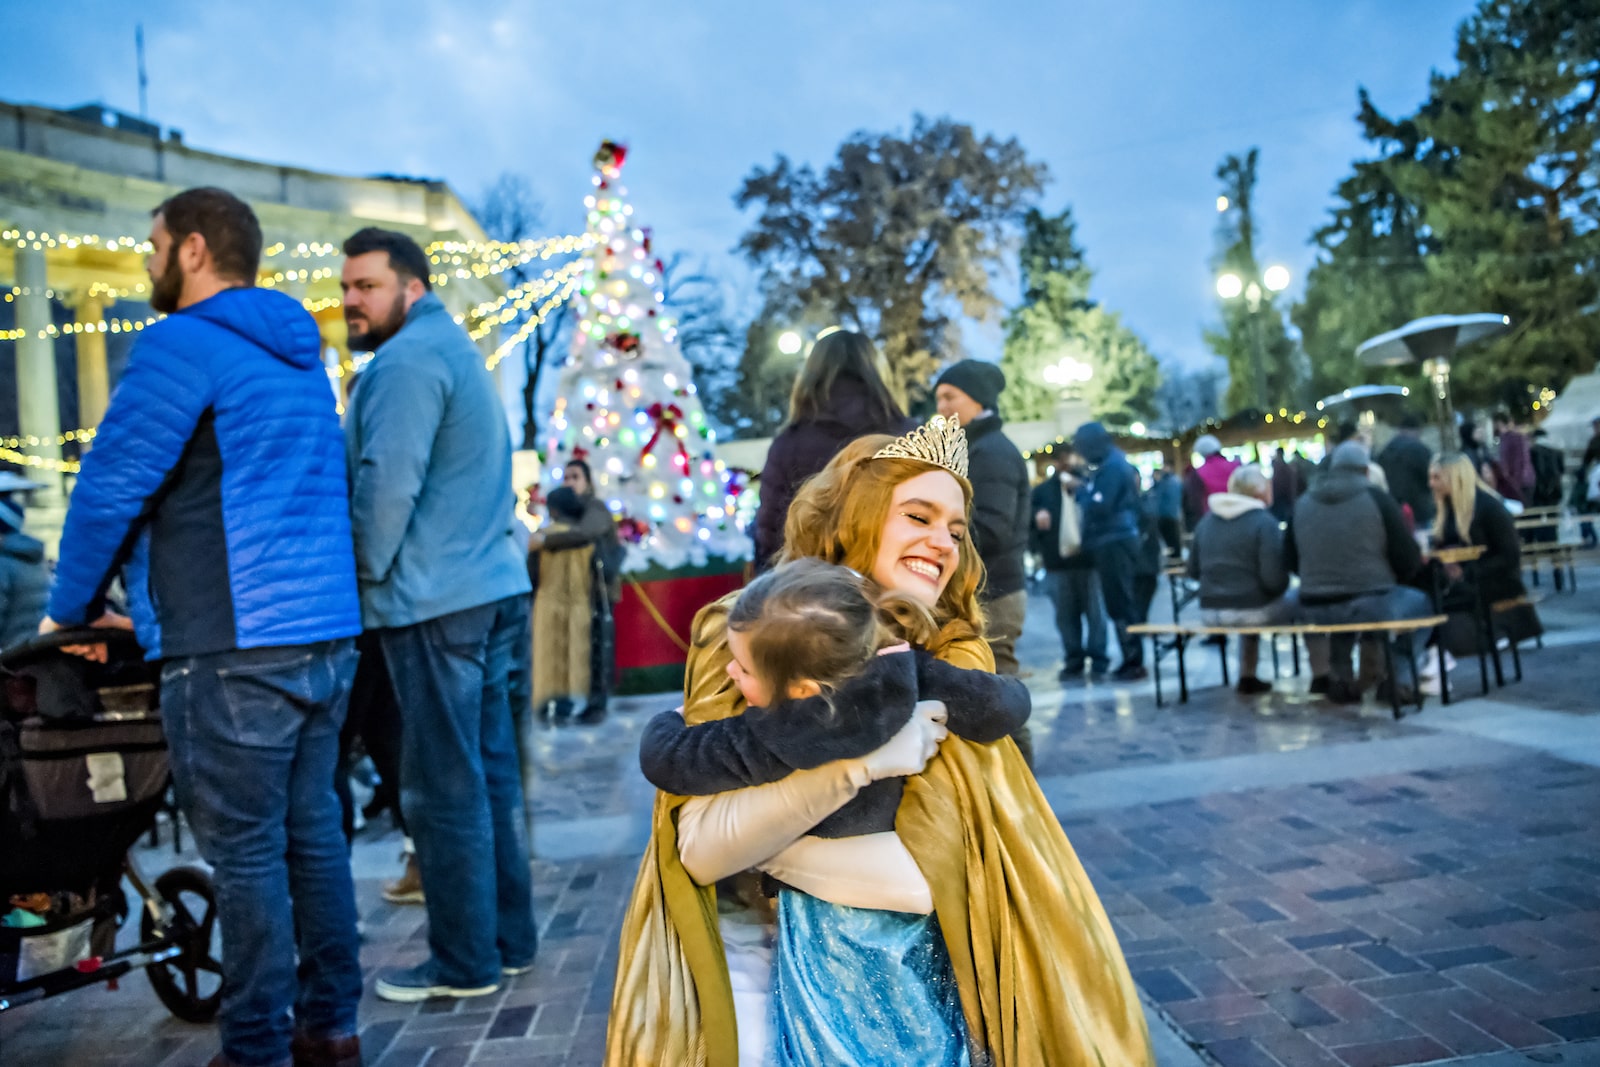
x=271, y=320
x=1093, y=442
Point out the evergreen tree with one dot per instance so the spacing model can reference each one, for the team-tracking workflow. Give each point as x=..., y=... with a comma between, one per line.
x=1057, y=318
x=1263, y=371
x=1370, y=275
x=1485, y=199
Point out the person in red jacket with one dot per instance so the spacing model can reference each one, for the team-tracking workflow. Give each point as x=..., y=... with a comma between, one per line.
x=1211, y=476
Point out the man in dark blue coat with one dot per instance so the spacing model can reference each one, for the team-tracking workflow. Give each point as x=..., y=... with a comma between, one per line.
x=1109, y=497
x=218, y=477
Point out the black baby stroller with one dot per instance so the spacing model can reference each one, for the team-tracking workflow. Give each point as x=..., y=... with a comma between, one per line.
x=83, y=772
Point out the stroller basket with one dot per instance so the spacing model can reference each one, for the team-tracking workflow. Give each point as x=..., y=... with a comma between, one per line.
x=77, y=789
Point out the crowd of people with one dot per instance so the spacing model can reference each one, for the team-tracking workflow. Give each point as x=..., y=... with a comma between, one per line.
x=255, y=540
x=850, y=858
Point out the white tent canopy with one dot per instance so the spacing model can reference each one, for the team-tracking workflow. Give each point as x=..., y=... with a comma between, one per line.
x=1572, y=412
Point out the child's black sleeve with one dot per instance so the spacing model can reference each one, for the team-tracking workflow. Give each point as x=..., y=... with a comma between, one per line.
x=714, y=757
x=766, y=744
x=982, y=706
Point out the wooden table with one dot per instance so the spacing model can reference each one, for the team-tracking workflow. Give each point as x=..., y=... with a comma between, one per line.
x=1466, y=556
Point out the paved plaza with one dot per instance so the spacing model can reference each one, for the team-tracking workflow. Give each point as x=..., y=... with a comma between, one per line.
x=1293, y=884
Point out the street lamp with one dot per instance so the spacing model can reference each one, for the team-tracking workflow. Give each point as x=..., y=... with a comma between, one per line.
x=1231, y=286
x=789, y=342
x=1067, y=372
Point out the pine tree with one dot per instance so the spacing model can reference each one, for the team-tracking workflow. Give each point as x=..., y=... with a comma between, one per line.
x=627, y=403
x=1056, y=318
x=1263, y=371
x=1483, y=200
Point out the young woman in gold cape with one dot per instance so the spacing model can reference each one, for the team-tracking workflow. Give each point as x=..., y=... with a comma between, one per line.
x=1041, y=979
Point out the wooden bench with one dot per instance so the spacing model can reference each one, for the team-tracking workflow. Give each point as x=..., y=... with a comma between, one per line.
x=1179, y=635
x=1562, y=558
x=1500, y=607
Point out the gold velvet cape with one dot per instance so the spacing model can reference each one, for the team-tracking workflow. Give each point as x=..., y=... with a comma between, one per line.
x=563, y=615
x=1043, y=982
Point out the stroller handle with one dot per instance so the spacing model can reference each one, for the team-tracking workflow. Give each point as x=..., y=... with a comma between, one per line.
x=120, y=643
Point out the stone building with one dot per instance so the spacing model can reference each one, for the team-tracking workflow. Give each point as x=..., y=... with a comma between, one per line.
x=76, y=191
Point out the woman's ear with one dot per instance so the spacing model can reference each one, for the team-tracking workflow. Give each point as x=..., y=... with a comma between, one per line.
x=805, y=687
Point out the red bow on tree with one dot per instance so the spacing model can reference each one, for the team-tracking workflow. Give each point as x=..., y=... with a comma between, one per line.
x=667, y=418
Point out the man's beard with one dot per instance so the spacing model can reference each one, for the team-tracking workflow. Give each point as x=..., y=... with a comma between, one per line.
x=166, y=290
x=378, y=331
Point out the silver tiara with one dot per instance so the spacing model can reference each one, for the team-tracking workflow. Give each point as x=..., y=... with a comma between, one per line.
x=941, y=442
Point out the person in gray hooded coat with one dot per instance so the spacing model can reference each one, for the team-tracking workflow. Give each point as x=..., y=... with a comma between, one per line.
x=1348, y=542
x=1237, y=556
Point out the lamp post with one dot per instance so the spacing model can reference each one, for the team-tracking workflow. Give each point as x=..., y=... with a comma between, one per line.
x=1069, y=375
x=1230, y=286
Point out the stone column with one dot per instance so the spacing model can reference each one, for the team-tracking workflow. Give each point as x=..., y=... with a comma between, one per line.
x=94, y=381
x=38, y=413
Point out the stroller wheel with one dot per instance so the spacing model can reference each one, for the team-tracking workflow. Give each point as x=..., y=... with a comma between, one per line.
x=190, y=985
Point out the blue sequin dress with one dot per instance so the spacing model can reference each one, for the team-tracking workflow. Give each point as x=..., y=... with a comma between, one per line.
x=857, y=987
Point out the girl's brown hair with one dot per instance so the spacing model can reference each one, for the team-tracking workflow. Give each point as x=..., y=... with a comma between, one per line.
x=838, y=517
x=810, y=620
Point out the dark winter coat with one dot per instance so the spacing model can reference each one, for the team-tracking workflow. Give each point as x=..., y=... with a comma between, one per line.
x=1405, y=461
x=804, y=448
x=1500, y=566
x=594, y=527
x=1498, y=571
x=219, y=474
x=1001, y=509
x=1110, y=496
x=1046, y=544
x=1237, y=554
x=24, y=587
x=766, y=744
x=1347, y=539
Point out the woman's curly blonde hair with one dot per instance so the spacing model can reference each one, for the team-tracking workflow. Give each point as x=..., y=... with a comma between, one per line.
x=839, y=514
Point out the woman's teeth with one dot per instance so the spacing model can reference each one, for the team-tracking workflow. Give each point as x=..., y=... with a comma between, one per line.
x=923, y=568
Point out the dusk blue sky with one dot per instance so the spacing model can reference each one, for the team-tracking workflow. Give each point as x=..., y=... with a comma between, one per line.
x=1131, y=104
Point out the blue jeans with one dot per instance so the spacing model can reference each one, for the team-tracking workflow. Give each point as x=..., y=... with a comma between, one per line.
x=253, y=737
x=1400, y=602
x=461, y=788
x=1076, y=595
x=1115, y=564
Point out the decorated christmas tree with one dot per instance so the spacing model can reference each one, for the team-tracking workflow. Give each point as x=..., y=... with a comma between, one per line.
x=627, y=404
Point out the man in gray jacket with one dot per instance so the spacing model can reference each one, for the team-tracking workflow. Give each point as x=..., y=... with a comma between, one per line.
x=1348, y=542
x=444, y=584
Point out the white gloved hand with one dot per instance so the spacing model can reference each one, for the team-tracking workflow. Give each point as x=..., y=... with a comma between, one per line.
x=908, y=751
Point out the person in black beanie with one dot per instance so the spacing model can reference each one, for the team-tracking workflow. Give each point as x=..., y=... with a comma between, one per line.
x=969, y=392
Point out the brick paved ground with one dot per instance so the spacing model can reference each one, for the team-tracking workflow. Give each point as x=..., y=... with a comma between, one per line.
x=1293, y=883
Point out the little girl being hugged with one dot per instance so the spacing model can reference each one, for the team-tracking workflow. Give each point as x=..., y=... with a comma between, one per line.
x=827, y=674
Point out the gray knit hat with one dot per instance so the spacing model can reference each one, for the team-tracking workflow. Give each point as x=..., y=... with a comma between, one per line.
x=1352, y=455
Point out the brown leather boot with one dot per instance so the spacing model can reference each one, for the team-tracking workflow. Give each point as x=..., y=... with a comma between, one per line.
x=326, y=1051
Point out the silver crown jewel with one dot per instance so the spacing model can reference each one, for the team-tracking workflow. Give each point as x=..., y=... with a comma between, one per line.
x=941, y=442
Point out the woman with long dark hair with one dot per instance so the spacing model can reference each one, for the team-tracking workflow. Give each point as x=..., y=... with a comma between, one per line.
x=839, y=395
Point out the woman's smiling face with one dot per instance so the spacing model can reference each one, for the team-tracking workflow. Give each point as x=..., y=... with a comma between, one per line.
x=922, y=533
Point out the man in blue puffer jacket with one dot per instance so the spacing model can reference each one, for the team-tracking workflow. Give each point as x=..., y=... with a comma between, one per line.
x=218, y=477
x=1109, y=497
